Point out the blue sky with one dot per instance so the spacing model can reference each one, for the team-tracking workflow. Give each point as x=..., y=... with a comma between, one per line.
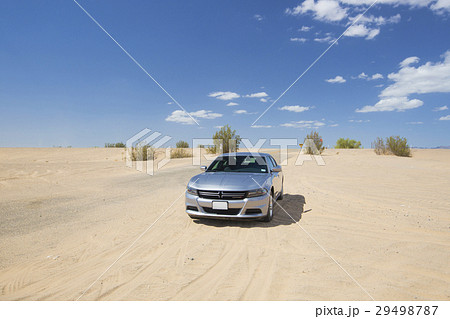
x=63, y=81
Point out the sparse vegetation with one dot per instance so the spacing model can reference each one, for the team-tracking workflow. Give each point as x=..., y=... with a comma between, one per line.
x=379, y=147
x=181, y=151
x=398, y=146
x=228, y=137
x=347, y=143
x=211, y=149
x=118, y=145
x=182, y=144
x=395, y=145
x=318, y=141
x=142, y=153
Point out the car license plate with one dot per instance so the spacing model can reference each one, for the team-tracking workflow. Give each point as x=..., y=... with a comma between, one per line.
x=220, y=205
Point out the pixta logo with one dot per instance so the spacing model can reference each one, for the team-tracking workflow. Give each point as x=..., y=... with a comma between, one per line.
x=142, y=153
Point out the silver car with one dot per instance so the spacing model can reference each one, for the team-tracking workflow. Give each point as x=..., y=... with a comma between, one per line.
x=236, y=186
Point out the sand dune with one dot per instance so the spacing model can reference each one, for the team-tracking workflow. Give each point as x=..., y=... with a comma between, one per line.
x=67, y=215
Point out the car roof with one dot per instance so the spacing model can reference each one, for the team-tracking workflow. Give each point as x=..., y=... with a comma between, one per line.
x=245, y=154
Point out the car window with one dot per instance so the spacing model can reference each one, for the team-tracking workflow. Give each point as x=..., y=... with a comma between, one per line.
x=239, y=164
x=273, y=161
x=269, y=161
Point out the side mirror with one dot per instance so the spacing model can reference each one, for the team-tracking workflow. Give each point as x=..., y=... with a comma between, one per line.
x=276, y=169
x=203, y=168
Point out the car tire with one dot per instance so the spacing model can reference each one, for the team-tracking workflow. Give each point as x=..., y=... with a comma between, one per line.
x=270, y=209
x=280, y=197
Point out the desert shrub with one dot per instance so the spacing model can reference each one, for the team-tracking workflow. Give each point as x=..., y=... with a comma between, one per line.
x=228, y=137
x=119, y=144
x=143, y=153
x=318, y=141
x=212, y=149
x=379, y=147
x=398, y=146
x=180, y=153
x=182, y=144
x=393, y=145
x=347, y=143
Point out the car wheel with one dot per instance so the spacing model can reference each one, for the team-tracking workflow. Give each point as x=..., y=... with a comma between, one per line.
x=280, y=197
x=270, y=209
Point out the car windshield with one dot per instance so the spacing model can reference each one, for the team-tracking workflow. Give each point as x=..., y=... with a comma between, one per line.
x=239, y=164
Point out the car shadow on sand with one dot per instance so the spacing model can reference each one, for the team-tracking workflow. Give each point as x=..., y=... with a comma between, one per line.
x=287, y=211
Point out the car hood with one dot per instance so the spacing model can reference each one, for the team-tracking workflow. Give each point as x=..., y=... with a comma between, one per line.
x=229, y=181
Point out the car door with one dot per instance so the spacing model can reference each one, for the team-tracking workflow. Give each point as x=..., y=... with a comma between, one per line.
x=276, y=177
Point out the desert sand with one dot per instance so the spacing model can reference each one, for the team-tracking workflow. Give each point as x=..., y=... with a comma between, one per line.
x=78, y=224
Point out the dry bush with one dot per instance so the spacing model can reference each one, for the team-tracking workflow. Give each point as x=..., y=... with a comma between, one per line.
x=182, y=144
x=379, y=147
x=347, y=143
x=398, y=146
x=228, y=137
x=317, y=140
x=143, y=153
x=395, y=145
x=116, y=145
x=211, y=150
x=180, y=153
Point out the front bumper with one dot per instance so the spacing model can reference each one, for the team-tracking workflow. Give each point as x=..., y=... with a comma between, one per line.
x=253, y=208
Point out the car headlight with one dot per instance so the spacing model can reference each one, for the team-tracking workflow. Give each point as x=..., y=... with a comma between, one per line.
x=257, y=192
x=191, y=190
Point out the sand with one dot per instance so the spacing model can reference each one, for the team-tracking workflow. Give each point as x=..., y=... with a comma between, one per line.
x=78, y=224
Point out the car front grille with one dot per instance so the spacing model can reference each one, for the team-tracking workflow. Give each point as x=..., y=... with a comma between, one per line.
x=222, y=195
x=230, y=211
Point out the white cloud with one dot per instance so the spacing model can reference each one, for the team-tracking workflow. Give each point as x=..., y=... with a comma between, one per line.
x=444, y=118
x=377, y=76
x=263, y=100
x=391, y=104
x=261, y=126
x=305, y=29
x=413, y=3
x=337, y=79
x=327, y=39
x=408, y=61
x=333, y=125
x=258, y=17
x=225, y=96
x=324, y=10
x=257, y=95
x=441, y=6
x=301, y=40
x=359, y=121
x=364, y=76
x=182, y=117
x=368, y=26
x=375, y=20
x=361, y=31
x=304, y=124
x=170, y=103
x=241, y=112
x=203, y=114
x=295, y=108
x=442, y=108
x=338, y=10
x=232, y=104
x=414, y=123
x=427, y=78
